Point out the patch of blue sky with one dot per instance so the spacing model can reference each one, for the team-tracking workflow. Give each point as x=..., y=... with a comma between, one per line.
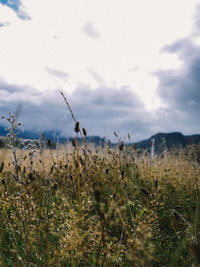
x=15, y=5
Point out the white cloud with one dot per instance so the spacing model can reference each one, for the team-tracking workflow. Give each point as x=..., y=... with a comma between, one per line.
x=131, y=33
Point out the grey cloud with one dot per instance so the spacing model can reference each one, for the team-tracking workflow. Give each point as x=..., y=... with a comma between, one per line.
x=185, y=48
x=12, y=92
x=100, y=111
x=105, y=109
x=179, y=89
x=9, y=87
x=39, y=111
x=89, y=29
x=58, y=73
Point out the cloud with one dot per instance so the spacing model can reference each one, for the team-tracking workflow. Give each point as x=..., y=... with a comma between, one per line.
x=95, y=73
x=59, y=33
x=101, y=110
x=39, y=111
x=10, y=88
x=58, y=73
x=185, y=48
x=89, y=29
x=179, y=89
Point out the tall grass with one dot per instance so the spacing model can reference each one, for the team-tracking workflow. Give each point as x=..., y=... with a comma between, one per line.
x=79, y=206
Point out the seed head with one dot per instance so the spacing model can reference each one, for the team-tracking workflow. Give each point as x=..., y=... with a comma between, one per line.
x=77, y=127
x=84, y=132
x=73, y=142
x=115, y=134
x=122, y=174
x=49, y=142
x=121, y=145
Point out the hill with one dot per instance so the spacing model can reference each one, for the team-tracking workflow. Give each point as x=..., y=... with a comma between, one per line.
x=162, y=140
x=168, y=141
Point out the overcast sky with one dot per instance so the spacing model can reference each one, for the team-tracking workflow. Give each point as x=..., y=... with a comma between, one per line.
x=130, y=66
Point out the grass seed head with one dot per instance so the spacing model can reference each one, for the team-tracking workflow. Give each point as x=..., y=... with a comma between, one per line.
x=122, y=174
x=84, y=132
x=49, y=142
x=73, y=142
x=115, y=134
x=77, y=127
x=121, y=146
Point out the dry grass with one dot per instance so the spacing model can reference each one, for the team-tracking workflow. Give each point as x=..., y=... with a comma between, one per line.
x=132, y=213
x=99, y=207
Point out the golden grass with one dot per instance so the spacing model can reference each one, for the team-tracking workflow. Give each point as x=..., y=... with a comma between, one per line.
x=88, y=206
x=133, y=212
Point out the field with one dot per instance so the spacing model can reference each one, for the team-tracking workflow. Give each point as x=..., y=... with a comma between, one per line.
x=98, y=206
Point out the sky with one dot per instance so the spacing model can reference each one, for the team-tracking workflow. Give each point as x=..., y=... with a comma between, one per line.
x=130, y=66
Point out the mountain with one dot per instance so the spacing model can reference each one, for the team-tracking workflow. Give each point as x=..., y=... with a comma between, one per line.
x=55, y=136
x=168, y=140
x=162, y=140
x=32, y=134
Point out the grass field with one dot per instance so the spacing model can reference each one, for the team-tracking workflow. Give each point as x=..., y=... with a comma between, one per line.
x=87, y=206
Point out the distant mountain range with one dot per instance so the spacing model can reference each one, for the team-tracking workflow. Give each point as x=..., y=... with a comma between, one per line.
x=168, y=140
x=55, y=136
x=31, y=134
x=162, y=140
